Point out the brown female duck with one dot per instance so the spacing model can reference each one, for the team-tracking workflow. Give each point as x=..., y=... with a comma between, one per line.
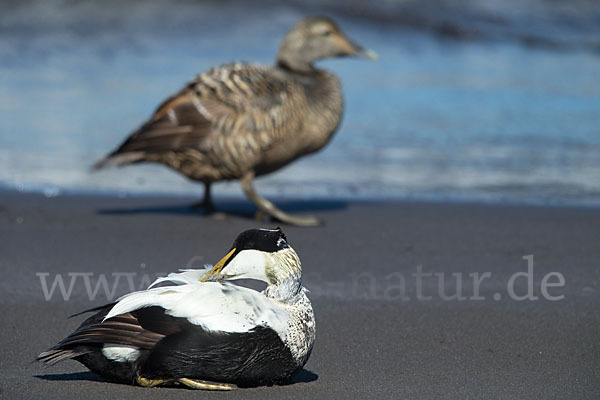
x=239, y=121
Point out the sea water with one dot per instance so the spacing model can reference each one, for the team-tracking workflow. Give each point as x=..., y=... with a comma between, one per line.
x=477, y=101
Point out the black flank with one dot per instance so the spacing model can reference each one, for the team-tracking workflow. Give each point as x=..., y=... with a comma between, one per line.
x=253, y=358
x=173, y=348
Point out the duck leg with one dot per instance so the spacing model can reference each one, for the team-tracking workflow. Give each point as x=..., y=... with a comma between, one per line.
x=206, y=203
x=266, y=207
x=202, y=385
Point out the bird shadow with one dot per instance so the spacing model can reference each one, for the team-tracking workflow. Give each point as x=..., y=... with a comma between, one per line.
x=304, y=376
x=73, y=376
x=237, y=208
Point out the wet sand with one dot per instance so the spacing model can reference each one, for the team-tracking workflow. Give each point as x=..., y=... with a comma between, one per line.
x=375, y=337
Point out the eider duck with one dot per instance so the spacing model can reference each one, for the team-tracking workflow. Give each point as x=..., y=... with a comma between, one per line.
x=202, y=330
x=239, y=121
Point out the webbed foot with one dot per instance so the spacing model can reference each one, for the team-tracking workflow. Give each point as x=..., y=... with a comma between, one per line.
x=203, y=385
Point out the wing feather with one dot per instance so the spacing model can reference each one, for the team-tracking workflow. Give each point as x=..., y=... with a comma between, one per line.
x=215, y=306
x=185, y=276
x=140, y=329
x=177, y=124
x=237, y=97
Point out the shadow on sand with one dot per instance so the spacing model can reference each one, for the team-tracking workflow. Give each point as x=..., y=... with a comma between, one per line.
x=303, y=376
x=238, y=208
x=73, y=376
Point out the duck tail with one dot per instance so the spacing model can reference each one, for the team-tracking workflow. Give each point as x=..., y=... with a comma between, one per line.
x=118, y=160
x=54, y=355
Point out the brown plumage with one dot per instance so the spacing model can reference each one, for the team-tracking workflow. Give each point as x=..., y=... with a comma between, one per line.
x=239, y=120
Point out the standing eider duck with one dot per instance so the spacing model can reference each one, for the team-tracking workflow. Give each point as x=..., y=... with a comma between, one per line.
x=202, y=331
x=239, y=121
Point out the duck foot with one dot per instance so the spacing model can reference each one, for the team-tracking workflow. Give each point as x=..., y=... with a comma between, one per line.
x=144, y=382
x=206, y=204
x=190, y=383
x=201, y=205
x=265, y=207
x=203, y=385
x=209, y=210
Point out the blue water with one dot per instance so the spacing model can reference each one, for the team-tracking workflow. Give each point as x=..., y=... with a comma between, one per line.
x=501, y=106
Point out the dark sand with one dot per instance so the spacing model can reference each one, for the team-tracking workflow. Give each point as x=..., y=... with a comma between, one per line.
x=370, y=343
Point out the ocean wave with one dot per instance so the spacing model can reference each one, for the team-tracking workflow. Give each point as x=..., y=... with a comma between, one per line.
x=561, y=25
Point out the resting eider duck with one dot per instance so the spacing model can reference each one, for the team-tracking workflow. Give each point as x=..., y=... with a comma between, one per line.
x=239, y=121
x=203, y=331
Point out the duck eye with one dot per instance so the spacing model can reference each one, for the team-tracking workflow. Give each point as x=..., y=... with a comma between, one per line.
x=326, y=33
x=281, y=243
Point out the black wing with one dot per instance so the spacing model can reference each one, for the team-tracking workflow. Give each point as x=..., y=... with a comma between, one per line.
x=141, y=328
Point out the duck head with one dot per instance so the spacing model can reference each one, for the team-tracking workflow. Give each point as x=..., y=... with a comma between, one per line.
x=316, y=38
x=261, y=254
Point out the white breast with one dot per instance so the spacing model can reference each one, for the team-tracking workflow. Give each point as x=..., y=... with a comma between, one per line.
x=301, y=329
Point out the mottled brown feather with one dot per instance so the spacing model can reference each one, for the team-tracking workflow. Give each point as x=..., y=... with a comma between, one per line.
x=241, y=118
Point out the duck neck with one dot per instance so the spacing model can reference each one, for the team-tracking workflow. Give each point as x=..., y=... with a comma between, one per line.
x=284, y=290
x=294, y=65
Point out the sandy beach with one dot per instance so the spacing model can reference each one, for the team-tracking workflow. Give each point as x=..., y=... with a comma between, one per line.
x=380, y=333
x=466, y=265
